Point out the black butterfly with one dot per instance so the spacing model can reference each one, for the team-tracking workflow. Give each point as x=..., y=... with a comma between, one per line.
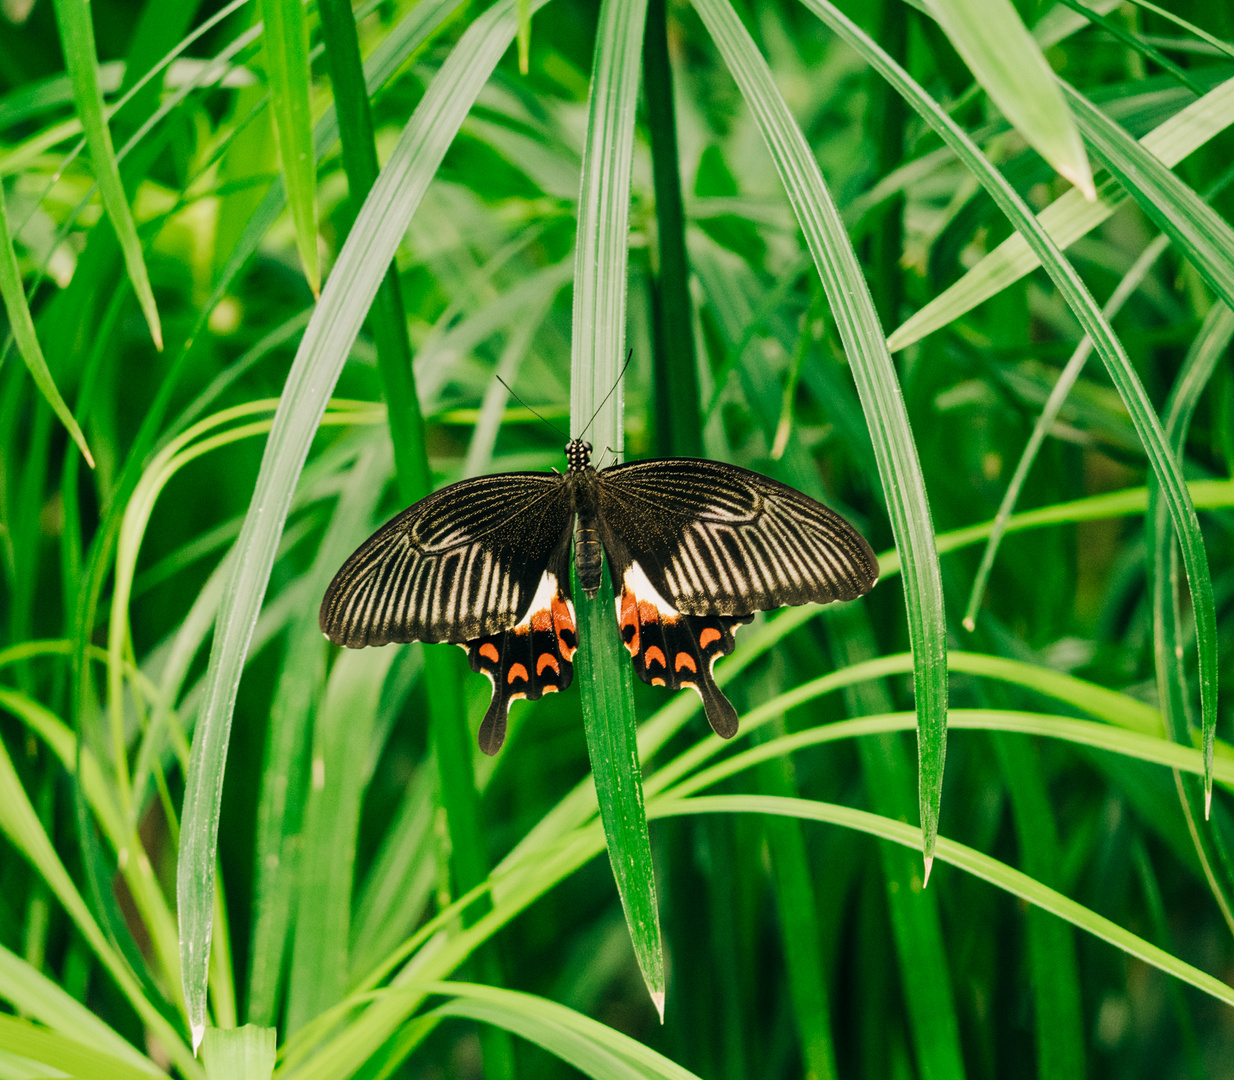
x=694, y=549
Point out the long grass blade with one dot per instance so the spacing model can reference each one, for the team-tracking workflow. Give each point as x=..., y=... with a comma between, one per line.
x=1069, y=217
x=1197, y=230
x=1118, y=364
x=22, y=325
x=974, y=862
x=857, y=322
x=1131, y=281
x=286, y=41
x=354, y=281
x=1009, y=65
x=601, y=250
x=77, y=35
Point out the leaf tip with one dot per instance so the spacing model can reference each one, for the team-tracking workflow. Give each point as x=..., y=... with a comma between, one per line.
x=657, y=999
x=970, y=624
x=198, y=1032
x=1081, y=177
x=929, y=865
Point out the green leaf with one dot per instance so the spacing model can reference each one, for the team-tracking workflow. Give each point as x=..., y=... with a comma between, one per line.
x=1068, y=218
x=593, y=1048
x=974, y=862
x=22, y=324
x=243, y=1053
x=600, y=258
x=73, y=1057
x=1118, y=364
x=285, y=35
x=1045, y=422
x=77, y=36
x=357, y=274
x=1197, y=230
x=41, y=999
x=877, y=385
x=342, y=737
x=1008, y=63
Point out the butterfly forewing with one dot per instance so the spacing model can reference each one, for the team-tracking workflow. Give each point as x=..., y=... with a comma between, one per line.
x=715, y=539
x=459, y=565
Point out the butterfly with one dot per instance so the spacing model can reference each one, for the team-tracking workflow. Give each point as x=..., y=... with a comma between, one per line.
x=694, y=549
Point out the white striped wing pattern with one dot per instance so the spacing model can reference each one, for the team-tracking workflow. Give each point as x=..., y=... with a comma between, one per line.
x=458, y=565
x=716, y=539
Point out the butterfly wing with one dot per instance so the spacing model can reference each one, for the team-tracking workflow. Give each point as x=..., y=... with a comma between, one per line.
x=696, y=547
x=462, y=563
x=482, y=563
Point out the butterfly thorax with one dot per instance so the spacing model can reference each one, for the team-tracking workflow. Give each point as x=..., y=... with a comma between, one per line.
x=588, y=551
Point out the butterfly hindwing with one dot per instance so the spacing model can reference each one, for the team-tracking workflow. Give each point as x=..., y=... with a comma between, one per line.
x=675, y=650
x=460, y=564
x=715, y=539
x=533, y=657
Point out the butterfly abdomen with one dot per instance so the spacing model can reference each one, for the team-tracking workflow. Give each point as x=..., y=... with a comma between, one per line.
x=588, y=550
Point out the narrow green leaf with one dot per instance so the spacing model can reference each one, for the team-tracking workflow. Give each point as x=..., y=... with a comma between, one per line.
x=284, y=773
x=38, y=998
x=974, y=862
x=877, y=385
x=1045, y=422
x=243, y=1053
x=341, y=742
x=327, y=341
x=593, y=1048
x=22, y=325
x=1197, y=230
x=600, y=259
x=286, y=40
x=675, y=361
x=77, y=37
x=1008, y=63
x=1118, y=364
x=1051, y=949
x=21, y=825
x=1068, y=218
x=62, y=1053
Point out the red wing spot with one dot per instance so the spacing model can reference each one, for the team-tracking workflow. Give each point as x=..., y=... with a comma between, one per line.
x=655, y=655
x=542, y=619
x=648, y=612
x=517, y=671
x=489, y=651
x=658, y=682
x=708, y=636
x=547, y=660
x=685, y=660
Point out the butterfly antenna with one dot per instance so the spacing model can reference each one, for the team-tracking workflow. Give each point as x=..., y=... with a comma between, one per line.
x=531, y=410
x=629, y=357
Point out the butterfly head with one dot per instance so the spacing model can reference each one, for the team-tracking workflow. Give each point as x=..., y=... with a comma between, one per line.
x=578, y=454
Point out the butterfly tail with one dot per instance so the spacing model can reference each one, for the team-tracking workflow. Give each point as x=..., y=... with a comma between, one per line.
x=527, y=661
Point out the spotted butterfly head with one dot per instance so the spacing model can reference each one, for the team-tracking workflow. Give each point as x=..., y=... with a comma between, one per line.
x=578, y=454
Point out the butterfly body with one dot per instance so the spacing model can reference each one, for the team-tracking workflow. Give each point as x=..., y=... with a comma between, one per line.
x=694, y=549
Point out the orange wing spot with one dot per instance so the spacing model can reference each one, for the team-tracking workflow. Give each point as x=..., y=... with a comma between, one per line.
x=628, y=620
x=563, y=623
x=549, y=688
x=685, y=660
x=708, y=636
x=658, y=682
x=542, y=619
x=648, y=612
x=489, y=651
x=517, y=671
x=547, y=660
x=655, y=655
